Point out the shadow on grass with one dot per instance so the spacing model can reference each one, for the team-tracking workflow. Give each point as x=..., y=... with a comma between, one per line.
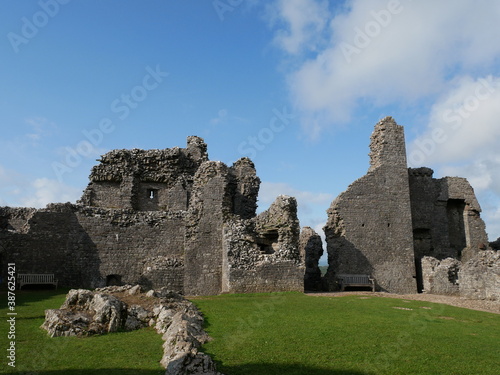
x=112, y=371
x=250, y=369
x=280, y=369
x=31, y=294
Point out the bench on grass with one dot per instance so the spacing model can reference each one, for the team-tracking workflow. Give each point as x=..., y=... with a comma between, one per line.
x=355, y=280
x=30, y=278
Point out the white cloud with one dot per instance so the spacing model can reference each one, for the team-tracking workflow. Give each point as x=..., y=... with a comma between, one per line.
x=304, y=19
x=384, y=52
x=464, y=123
x=17, y=190
x=44, y=191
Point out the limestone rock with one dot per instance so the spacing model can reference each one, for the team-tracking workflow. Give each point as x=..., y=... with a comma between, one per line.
x=178, y=321
x=85, y=313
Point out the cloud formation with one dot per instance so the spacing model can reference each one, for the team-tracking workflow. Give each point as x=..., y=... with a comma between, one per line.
x=464, y=123
x=381, y=52
x=18, y=190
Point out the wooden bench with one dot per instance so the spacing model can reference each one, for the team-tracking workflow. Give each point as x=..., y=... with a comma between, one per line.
x=355, y=280
x=29, y=278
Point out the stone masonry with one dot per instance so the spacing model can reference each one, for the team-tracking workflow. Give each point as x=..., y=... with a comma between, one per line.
x=172, y=218
x=161, y=218
x=412, y=232
x=369, y=227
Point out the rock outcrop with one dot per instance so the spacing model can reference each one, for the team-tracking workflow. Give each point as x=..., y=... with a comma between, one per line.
x=102, y=311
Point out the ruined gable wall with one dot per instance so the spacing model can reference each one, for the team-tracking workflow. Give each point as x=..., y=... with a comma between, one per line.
x=369, y=227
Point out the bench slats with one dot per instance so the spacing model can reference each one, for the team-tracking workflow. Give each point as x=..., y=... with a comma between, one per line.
x=355, y=280
x=27, y=278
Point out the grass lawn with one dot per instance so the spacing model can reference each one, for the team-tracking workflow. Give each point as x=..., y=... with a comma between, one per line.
x=124, y=353
x=292, y=333
x=274, y=333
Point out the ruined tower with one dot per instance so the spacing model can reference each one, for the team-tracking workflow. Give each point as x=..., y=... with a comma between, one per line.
x=369, y=227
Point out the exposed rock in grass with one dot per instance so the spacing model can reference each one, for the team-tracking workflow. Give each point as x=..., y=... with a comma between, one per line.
x=113, y=309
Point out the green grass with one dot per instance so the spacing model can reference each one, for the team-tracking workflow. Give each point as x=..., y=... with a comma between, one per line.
x=275, y=333
x=124, y=353
x=292, y=333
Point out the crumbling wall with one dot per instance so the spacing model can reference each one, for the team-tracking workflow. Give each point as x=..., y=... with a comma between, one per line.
x=476, y=278
x=440, y=276
x=311, y=247
x=156, y=218
x=479, y=276
x=446, y=221
x=146, y=180
x=262, y=254
x=369, y=227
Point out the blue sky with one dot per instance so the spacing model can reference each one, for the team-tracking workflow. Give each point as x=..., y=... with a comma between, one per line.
x=297, y=85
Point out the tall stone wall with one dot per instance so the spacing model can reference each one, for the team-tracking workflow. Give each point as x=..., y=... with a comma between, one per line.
x=369, y=227
x=210, y=203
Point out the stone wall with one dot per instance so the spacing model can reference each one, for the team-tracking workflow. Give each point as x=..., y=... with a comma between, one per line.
x=369, y=227
x=446, y=220
x=262, y=254
x=311, y=247
x=476, y=278
x=156, y=218
x=410, y=231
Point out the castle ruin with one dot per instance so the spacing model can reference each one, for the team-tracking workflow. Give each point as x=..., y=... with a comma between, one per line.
x=173, y=218
x=398, y=224
x=162, y=218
